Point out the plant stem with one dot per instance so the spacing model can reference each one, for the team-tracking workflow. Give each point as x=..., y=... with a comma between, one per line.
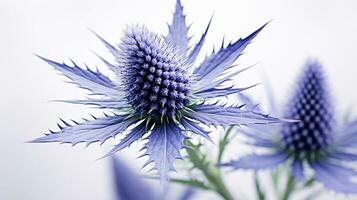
x=221, y=187
x=218, y=183
x=209, y=170
x=290, y=185
x=223, y=143
x=275, y=179
x=223, y=191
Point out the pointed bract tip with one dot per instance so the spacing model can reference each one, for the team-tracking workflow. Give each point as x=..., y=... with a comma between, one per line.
x=51, y=62
x=262, y=27
x=228, y=164
x=210, y=21
x=108, y=155
x=178, y=3
x=41, y=57
x=30, y=141
x=37, y=140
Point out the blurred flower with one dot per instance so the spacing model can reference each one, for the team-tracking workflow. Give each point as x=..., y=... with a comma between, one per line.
x=315, y=141
x=156, y=94
x=129, y=186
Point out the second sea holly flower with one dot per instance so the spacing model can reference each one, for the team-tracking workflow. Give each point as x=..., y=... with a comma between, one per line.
x=314, y=143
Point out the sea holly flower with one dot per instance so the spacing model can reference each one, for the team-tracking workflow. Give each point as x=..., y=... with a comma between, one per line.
x=129, y=186
x=159, y=94
x=315, y=142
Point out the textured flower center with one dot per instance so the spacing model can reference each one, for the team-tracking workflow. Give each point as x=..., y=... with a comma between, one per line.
x=311, y=106
x=155, y=75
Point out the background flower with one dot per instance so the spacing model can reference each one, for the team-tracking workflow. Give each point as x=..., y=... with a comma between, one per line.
x=316, y=141
x=129, y=186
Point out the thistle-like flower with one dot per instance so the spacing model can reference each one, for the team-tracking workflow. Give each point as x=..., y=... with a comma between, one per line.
x=156, y=94
x=315, y=141
x=129, y=186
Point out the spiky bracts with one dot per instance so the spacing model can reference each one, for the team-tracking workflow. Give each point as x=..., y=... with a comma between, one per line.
x=156, y=94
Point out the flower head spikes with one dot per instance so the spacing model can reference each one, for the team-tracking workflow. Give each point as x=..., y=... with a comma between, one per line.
x=154, y=73
x=155, y=96
x=311, y=105
x=315, y=141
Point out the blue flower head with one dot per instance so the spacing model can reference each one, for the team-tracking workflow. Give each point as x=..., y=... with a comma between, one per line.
x=311, y=105
x=155, y=74
x=315, y=141
x=159, y=94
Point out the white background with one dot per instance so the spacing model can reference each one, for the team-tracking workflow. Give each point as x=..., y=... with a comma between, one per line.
x=301, y=29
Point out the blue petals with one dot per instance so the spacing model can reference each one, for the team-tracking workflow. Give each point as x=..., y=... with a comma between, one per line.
x=134, y=135
x=196, y=50
x=93, y=81
x=347, y=137
x=128, y=186
x=112, y=49
x=297, y=170
x=109, y=65
x=220, y=81
x=195, y=128
x=226, y=116
x=216, y=64
x=248, y=102
x=100, y=103
x=344, y=156
x=163, y=147
x=257, y=162
x=97, y=130
x=219, y=92
x=259, y=139
x=178, y=30
x=335, y=177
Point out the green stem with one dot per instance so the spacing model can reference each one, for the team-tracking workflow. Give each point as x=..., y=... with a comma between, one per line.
x=223, y=143
x=223, y=191
x=290, y=185
x=275, y=179
x=219, y=185
x=210, y=171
